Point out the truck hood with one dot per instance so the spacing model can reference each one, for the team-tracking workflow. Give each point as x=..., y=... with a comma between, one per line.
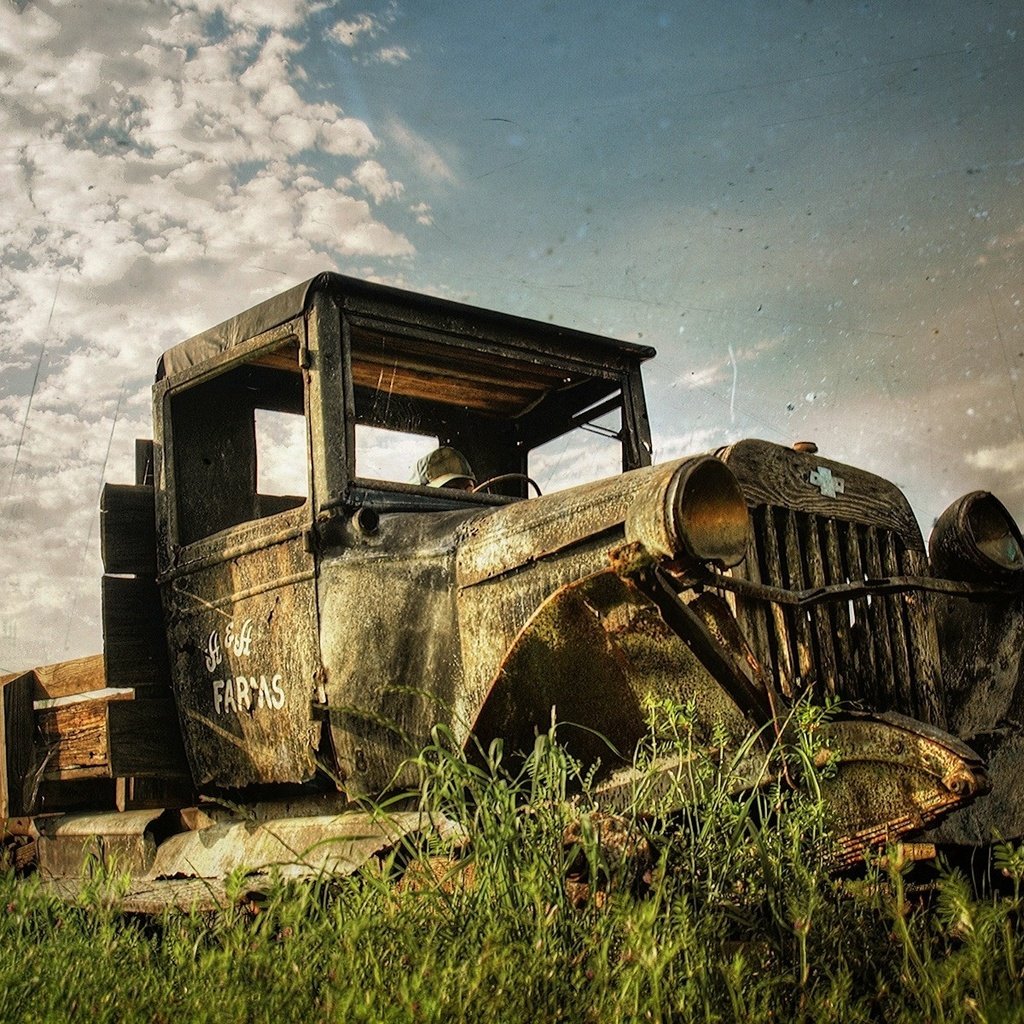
x=517, y=535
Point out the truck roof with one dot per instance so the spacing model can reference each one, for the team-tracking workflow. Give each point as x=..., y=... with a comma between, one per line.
x=397, y=304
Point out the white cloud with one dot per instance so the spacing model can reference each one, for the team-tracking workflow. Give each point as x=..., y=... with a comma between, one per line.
x=391, y=55
x=156, y=179
x=423, y=213
x=721, y=370
x=373, y=177
x=277, y=14
x=334, y=219
x=348, y=32
x=346, y=137
x=1005, y=458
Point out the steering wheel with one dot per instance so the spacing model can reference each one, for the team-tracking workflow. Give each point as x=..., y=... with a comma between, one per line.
x=501, y=478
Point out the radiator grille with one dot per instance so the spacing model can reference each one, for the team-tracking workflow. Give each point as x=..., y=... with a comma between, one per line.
x=879, y=651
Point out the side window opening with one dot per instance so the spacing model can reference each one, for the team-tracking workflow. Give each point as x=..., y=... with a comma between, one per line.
x=240, y=445
x=384, y=454
x=282, y=469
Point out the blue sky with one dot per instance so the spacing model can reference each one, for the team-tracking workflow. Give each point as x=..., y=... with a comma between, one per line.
x=813, y=210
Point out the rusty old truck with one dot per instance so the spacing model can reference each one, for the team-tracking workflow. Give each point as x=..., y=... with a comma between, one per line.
x=286, y=617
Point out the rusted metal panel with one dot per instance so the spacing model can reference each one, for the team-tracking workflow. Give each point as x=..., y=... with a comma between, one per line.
x=839, y=615
x=895, y=777
x=888, y=777
x=865, y=663
x=389, y=641
x=924, y=646
x=533, y=530
x=766, y=537
x=801, y=628
x=878, y=620
x=904, y=667
x=345, y=623
x=758, y=613
x=821, y=618
x=601, y=643
x=492, y=613
x=118, y=841
x=292, y=847
x=245, y=661
x=825, y=525
x=982, y=645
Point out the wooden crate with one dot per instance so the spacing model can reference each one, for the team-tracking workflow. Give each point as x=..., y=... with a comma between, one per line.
x=71, y=741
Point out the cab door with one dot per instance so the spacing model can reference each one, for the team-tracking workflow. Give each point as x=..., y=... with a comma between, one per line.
x=237, y=572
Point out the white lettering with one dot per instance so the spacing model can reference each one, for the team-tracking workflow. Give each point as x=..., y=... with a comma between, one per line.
x=245, y=639
x=241, y=642
x=243, y=693
x=213, y=653
x=278, y=692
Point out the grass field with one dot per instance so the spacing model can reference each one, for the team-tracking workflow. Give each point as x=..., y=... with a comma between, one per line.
x=725, y=912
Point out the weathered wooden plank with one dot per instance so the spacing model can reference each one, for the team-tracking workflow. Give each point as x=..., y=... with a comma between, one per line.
x=860, y=633
x=76, y=794
x=774, y=576
x=68, y=678
x=134, y=646
x=145, y=740
x=73, y=739
x=895, y=608
x=846, y=667
x=821, y=616
x=130, y=606
x=128, y=529
x=17, y=753
x=796, y=579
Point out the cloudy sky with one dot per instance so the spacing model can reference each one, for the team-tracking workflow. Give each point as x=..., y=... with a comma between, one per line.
x=814, y=210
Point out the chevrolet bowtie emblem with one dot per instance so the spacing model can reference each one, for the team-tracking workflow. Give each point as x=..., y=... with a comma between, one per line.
x=829, y=485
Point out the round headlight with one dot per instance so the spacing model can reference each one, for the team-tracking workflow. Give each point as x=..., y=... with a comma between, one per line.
x=694, y=510
x=976, y=540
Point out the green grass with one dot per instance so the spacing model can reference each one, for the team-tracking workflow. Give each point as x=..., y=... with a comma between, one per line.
x=733, y=917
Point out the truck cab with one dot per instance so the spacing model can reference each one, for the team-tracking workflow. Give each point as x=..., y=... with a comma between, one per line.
x=309, y=587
